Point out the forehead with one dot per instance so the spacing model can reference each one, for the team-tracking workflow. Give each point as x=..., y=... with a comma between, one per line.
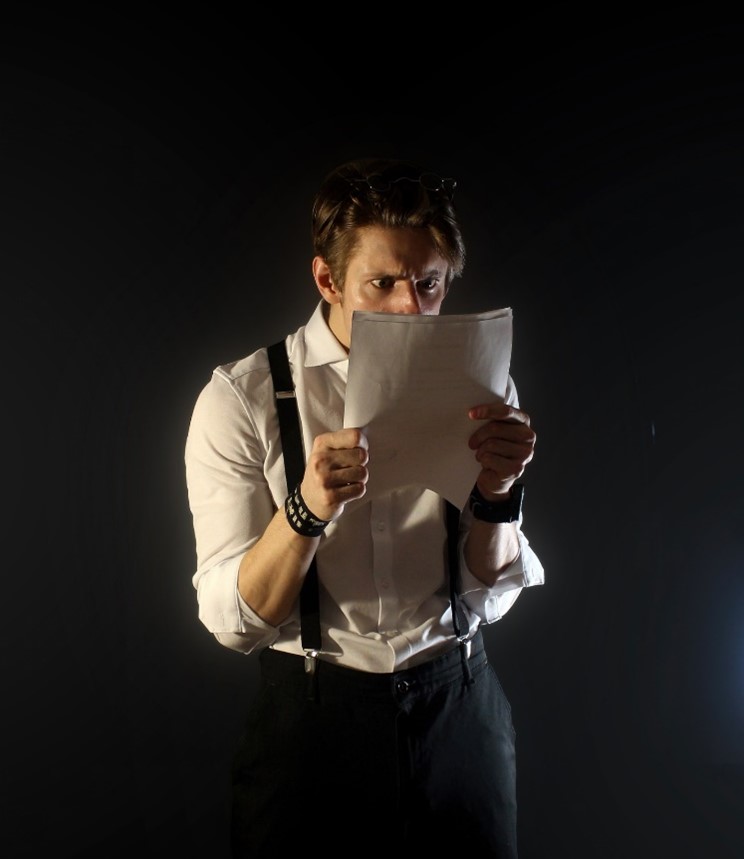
x=395, y=248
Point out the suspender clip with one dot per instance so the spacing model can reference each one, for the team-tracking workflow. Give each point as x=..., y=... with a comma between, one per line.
x=466, y=645
x=311, y=659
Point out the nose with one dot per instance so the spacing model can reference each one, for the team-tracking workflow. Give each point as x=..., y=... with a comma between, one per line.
x=407, y=298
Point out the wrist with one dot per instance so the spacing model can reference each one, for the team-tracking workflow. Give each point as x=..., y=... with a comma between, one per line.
x=504, y=507
x=300, y=518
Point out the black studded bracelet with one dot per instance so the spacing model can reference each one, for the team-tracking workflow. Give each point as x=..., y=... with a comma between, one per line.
x=300, y=518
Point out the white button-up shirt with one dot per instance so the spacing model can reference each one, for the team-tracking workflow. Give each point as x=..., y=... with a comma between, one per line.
x=384, y=598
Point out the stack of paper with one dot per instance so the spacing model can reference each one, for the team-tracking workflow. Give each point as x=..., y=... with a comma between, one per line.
x=412, y=380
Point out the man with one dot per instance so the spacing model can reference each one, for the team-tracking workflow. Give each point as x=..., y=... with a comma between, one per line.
x=389, y=734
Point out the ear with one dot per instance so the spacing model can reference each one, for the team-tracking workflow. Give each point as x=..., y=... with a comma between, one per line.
x=324, y=281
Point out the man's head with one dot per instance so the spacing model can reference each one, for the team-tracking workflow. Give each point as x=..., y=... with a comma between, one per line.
x=386, y=238
x=382, y=192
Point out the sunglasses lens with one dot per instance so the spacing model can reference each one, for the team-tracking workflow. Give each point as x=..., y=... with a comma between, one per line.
x=431, y=182
x=449, y=186
x=378, y=183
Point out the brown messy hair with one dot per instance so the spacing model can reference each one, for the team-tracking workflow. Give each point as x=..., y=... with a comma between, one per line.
x=401, y=194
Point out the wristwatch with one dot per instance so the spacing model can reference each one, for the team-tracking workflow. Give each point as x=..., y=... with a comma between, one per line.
x=507, y=510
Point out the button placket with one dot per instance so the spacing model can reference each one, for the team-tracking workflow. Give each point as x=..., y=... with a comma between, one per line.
x=380, y=520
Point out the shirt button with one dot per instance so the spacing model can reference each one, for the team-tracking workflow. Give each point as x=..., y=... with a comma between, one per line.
x=402, y=686
x=385, y=583
x=380, y=526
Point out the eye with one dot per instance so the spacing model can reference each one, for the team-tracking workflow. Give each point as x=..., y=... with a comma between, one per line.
x=428, y=285
x=383, y=282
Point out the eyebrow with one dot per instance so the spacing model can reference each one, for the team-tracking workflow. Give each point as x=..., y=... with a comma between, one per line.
x=434, y=272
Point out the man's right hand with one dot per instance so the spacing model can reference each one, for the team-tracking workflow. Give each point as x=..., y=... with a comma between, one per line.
x=336, y=472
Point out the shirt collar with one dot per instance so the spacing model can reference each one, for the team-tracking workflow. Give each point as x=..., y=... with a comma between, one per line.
x=321, y=345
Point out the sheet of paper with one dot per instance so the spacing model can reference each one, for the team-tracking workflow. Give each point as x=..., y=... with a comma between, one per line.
x=411, y=382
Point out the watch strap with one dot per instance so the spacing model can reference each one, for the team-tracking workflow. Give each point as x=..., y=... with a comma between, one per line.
x=507, y=510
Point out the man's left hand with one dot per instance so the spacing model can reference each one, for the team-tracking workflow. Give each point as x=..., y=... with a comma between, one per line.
x=503, y=446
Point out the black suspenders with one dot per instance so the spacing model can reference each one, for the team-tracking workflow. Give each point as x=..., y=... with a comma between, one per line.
x=294, y=467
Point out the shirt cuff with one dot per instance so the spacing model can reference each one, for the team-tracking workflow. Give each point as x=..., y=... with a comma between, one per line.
x=492, y=602
x=221, y=608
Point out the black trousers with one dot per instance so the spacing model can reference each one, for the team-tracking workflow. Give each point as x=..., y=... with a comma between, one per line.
x=415, y=763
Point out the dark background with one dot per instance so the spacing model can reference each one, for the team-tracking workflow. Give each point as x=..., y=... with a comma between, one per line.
x=156, y=178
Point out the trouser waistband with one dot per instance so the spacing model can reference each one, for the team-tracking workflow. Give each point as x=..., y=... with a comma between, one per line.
x=280, y=667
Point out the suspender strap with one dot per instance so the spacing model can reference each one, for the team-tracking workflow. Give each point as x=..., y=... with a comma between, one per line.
x=286, y=407
x=294, y=468
x=459, y=620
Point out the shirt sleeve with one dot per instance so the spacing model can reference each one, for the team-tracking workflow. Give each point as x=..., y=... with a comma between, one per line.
x=231, y=505
x=491, y=603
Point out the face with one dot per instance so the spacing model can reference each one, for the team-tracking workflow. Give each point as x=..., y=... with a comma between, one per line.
x=391, y=271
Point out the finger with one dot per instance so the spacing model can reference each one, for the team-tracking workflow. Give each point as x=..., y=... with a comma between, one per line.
x=505, y=430
x=343, y=439
x=506, y=449
x=505, y=466
x=498, y=411
x=345, y=476
x=324, y=462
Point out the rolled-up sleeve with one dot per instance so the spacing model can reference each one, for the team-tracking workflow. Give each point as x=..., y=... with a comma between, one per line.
x=492, y=603
x=231, y=504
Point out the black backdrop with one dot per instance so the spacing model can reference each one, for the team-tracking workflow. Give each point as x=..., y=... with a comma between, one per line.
x=156, y=177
